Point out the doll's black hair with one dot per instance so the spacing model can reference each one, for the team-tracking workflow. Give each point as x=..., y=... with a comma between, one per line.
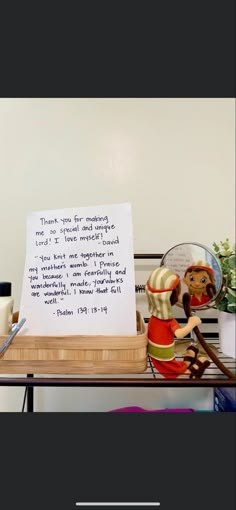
x=175, y=294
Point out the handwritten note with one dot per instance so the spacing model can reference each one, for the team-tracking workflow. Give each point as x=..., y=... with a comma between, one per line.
x=179, y=258
x=79, y=272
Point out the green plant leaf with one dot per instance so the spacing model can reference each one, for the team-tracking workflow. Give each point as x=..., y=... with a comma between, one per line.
x=225, y=253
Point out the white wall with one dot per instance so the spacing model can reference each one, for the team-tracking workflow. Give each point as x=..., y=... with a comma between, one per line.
x=173, y=159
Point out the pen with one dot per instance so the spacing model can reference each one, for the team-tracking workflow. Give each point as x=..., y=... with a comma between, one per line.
x=11, y=336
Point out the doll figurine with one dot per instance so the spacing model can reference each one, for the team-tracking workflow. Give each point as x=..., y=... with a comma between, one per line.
x=163, y=291
x=200, y=280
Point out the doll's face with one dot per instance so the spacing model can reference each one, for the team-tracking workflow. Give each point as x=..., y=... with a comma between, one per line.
x=197, y=281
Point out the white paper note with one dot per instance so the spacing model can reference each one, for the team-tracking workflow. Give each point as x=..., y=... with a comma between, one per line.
x=79, y=272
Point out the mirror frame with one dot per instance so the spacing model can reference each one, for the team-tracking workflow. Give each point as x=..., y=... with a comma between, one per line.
x=212, y=301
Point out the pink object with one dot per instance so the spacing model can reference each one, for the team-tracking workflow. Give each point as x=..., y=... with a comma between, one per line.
x=134, y=409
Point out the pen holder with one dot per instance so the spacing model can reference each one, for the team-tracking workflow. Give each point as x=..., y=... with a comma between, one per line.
x=76, y=354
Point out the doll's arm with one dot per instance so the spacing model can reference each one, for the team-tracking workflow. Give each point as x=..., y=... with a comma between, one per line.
x=192, y=322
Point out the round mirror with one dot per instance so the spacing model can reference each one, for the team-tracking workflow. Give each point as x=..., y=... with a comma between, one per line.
x=199, y=272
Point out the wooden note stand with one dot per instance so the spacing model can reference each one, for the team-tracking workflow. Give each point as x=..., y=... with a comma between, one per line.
x=76, y=354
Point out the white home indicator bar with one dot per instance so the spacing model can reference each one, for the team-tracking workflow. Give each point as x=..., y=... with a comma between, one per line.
x=151, y=504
